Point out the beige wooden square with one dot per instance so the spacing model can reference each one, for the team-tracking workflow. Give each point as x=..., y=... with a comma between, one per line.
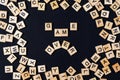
x=99, y=73
x=48, y=75
x=117, y=53
x=54, y=5
x=46, y=1
x=73, y=26
x=4, y=2
x=18, y=34
x=87, y=6
x=76, y=6
x=37, y=77
x=94, y=14
x=86, y=63
x=41, y=68
x=11, y=58
x=3, y=25
x=61, y=32
x=107, y=47
x=72, y=50
x=55, y=70
x=31, y=62
x=105, y=62
x=104, y=34
x=22, y=5
x=71, y=78
x=32, y=70
x=85, y=71
x=34, y=3
x=8, y=69
x=10, y=28
x=115, y=46
x=115, y=30
x=99, y=49
x=2, y=38
x=16, y=76
x=20, y=25
x=99, y=23
x=111, y=38
x=79, y=76
x=24, y=14
x=56, y=45
x=23, y=60
x=12, y=19
x=14, y=49
x=21, y=42
x=106, y=2
x=71, y=71
x=105, y=13
x=79, y=1
x=117, y=20
x=64, y=4
x=41, y=6
x=9, y=38
x=48, y=26
x=99, y=6
x=93, y=2
x=93, y=67
x=65, y=45
x=106, y=70
x=116, y=67
x=114, y=6
x=21, y=68
x=63, y=76
x=108, y=25
x=3, y=14
x=95, y=57
x=49, y=50
x=6, y=50
x=110, y=55
x=22, y=51
x=25, y=75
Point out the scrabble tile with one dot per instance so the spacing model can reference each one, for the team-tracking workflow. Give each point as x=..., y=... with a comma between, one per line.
x=56, y=45
x=107, y=47
x=46, y=1
x=54, y=78
x=41, y=6
x=85, y=71
x=10, y=28
x=106, y=70
x=3, y=14
x=79, y=76
x=20, y=68
x=18, y=34
x=16, y=76
x=49, y=50
x=37, y=77
x=71, y=78
x=65, y=45
x=93, y=2
x=55, y=70
x=11, y=58
x=3, y=25
x=117, y=53
x=111, y=38
x=24, y=14
x=8, y=69
x=6, y=50
x=99, y=49
x=9, y=38
x=22, y=5
x=79, y=1
x=12, y=19
x=20, y=25
x=76, y=6
x=64, y=4
x=4, y=2
x=108, y=25
x=14, y=49
x=63, y=76
x=23, y=60
x=31, y=62
x=115, y=46
x=34, y=3
x=105, y=62
x=117, y=12
x=71, y=71
x=115, y=30
x=99, y=73
x=99, y=6
x=14, y=9
x=116, y=67
x=87, y=6
x=2, y=38
x=86, y=63
x=117, y=1
x=110, y=55
x=22, y=51
x=41, y=68
x=114, y=6
x=94, y=78
x=48, y=75
x=103, y=79
x=95, y=58
x=73, y=26
x=99, y=23
x=108, y=2
x=48, y=26
x=32, y=70
x=103, y=33
x=94, y=14
x=93, y=67
x=54, y=5
x=61, y=32
x=105, y=13
x=21, y=42
x=72, y=50
x=25, y=75
x=117, y=20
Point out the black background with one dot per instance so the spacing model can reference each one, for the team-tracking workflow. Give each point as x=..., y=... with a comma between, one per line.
x=85, y=39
